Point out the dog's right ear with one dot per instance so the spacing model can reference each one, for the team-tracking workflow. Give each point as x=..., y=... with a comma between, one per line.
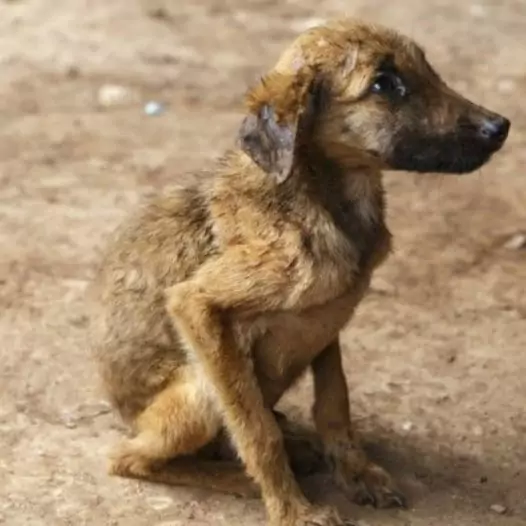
x=270, y=144
x=279, y=108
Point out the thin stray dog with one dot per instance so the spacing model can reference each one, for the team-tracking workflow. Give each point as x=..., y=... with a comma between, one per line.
x=217, y=296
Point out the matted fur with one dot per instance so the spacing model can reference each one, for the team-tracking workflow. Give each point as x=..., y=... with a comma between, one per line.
x=216, y=297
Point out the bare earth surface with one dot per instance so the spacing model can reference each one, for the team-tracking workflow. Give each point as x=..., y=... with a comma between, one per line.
x=436, y=357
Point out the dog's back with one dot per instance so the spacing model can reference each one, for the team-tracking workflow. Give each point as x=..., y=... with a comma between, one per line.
x=130, y=335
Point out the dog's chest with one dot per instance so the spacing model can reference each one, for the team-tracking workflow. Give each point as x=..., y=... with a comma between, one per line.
x=288, y=341
x=339, y=278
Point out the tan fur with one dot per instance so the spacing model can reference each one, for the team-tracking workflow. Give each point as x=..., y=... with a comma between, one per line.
x=215, y=298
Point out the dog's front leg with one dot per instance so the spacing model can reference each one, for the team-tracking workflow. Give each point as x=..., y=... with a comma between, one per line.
x=201, y=309
x=341, y=442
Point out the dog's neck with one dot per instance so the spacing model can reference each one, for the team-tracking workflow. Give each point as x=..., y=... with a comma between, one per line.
x=318, y=191
x=353, y=196
x=363, y=187
x=344, y=186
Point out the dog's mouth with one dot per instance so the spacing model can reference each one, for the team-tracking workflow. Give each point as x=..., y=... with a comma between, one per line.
x=451, y=153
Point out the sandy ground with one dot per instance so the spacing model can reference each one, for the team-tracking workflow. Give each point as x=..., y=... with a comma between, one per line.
x=435, y=356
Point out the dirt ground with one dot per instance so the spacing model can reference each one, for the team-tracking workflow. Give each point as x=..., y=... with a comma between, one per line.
x=435, y=355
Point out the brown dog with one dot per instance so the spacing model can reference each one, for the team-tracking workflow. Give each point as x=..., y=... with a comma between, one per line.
x=217, y=297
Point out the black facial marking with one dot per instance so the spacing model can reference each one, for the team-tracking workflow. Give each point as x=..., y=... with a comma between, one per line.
x=449, y=153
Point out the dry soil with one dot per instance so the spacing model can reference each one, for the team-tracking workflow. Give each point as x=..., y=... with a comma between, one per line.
x=435, y=355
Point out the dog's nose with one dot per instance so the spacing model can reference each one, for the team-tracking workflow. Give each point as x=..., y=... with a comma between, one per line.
x=495, y=129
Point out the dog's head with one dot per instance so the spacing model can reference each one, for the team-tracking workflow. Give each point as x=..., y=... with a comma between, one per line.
x=366, y=95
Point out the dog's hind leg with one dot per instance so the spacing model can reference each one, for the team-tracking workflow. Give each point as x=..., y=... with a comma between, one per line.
x=178, y=423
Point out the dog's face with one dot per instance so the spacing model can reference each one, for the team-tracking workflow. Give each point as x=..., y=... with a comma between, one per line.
x=372, y=97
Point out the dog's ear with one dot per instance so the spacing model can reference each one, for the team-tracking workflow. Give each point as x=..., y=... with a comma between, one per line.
x=282, y=111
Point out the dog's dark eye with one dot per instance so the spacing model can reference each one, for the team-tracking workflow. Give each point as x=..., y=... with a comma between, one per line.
x=388, y=84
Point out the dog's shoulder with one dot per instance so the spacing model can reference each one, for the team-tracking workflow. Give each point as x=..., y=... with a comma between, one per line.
x=163, y=240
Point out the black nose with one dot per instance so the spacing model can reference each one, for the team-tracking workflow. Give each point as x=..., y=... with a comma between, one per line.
x=495, y=129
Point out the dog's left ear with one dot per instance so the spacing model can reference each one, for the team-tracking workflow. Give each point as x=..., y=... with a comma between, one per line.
x=282, y=110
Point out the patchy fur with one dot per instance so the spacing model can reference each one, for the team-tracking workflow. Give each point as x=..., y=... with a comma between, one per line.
x=215, y=298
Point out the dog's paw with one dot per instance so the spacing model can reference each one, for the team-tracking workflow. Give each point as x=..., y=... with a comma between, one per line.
x=376, y=488
x=323, y=517
x=368, y=483
x=315, y=516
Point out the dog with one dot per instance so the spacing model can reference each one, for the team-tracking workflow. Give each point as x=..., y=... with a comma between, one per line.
x=216, y=297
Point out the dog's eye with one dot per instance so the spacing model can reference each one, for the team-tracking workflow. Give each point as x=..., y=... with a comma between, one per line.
x=388, y=84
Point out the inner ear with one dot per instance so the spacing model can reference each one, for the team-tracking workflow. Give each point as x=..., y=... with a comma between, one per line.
x=282, y=110
x=271, y=145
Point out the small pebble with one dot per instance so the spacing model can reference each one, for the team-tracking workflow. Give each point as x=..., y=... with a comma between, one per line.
x=498, y=508
x=516, y=242
x=407, y=426
x=69, y=420
x=113, y=95
x=154, y=108
x=159, y=503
